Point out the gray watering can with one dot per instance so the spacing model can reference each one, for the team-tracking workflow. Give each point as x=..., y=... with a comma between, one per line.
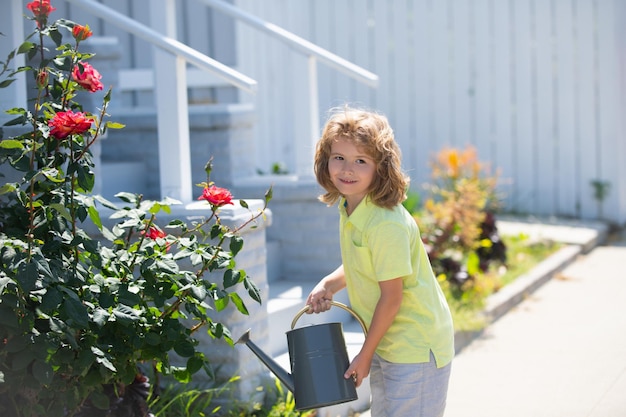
x=318, y=358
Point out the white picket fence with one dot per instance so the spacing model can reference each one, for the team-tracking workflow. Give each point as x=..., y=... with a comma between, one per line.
x=535, y=85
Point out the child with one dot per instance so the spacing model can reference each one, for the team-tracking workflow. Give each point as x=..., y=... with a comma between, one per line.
x=410, y=341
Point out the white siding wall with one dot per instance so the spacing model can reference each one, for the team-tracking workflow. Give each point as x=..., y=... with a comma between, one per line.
x=536, y=85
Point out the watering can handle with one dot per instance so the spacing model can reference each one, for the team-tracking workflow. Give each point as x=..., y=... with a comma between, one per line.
x=336, y=304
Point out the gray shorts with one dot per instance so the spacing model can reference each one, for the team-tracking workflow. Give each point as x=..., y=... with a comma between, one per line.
x=408, y=389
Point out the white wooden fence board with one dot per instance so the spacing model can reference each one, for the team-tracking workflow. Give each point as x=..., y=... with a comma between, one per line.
x=566, y=95
x=620, y=148
x=416, y=155
x=544, y=139
x=588, y=111
x=440, y=80
x=460, y=60
x=362, y=53
x=483, y=84
x=381, y=50
x=609, y=101
x=342, y=44
x=504, y=147
x=402, y=79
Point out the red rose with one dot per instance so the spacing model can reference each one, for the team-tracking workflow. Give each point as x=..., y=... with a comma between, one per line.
x=42, y=78
x=154, y=233
x=87, y=77
x=41, y=9
x=67, y=123
x=216, y=196
x=81, y=33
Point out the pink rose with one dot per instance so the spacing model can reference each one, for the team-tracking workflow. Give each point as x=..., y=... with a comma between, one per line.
x=216, y=196
x=67, y=123
x=87, y=77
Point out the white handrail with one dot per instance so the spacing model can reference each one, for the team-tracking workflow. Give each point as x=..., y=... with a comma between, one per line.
x=298, y=43
x=168, y=44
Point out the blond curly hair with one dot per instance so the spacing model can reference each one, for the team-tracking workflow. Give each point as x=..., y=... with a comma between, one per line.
x=371, y=132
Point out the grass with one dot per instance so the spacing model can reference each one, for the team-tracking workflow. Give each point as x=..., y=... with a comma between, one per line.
x=466, y=302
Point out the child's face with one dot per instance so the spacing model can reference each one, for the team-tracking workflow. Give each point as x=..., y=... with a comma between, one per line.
x=351, y=170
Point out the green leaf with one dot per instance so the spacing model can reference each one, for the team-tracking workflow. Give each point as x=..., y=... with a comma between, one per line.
x=231, y=277
x=6, y=83
x=17, y=121
x=221, y=303
x=236, y=244
x=62, y=210
x=168, y=266
x=77, y=312
x=125, y=314
x=4, y=281
x=106, y=203
x=195, y=363
x=25, y=47
x=11, y=144
x=17, y=344
x=114, y=125
x=56, y=36
x=94, y=215
x=236, y=299
x=100, y=317
x=8, y=188
x=253, y=289
x=8, y=318
x=182, y=375
x=100, y=400
x=106, y=363
x=127, y=197
x=51, y=300
x=27, y=276
x=153, y=339
x=86, y=179
x=184, y=348
x=198, y=292
x=43, y=372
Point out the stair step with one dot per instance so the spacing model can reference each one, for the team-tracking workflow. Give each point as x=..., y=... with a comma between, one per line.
x=286, y=299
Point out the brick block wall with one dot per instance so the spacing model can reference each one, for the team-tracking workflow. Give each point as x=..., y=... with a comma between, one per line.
x=305, y=229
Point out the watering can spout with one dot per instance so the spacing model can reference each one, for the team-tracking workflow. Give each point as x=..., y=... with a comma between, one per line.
x=284, y=376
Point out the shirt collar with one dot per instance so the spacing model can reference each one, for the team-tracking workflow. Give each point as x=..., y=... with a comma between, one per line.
x=361, y=213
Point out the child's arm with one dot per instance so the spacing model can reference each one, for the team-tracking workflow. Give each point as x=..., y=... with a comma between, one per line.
x=386, y=309
x=320, y=297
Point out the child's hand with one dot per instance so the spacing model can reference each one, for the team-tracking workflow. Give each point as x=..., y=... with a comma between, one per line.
x=319, y=299
x=359, y=369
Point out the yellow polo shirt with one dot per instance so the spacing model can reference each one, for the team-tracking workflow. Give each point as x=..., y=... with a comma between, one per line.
x=379, y=244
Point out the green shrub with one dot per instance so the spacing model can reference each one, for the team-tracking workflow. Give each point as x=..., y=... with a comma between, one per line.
x=78, y=314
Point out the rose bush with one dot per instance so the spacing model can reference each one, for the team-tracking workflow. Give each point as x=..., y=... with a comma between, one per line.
x=79, y=313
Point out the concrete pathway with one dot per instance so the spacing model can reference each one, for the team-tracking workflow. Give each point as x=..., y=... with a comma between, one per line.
x=560, y=353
